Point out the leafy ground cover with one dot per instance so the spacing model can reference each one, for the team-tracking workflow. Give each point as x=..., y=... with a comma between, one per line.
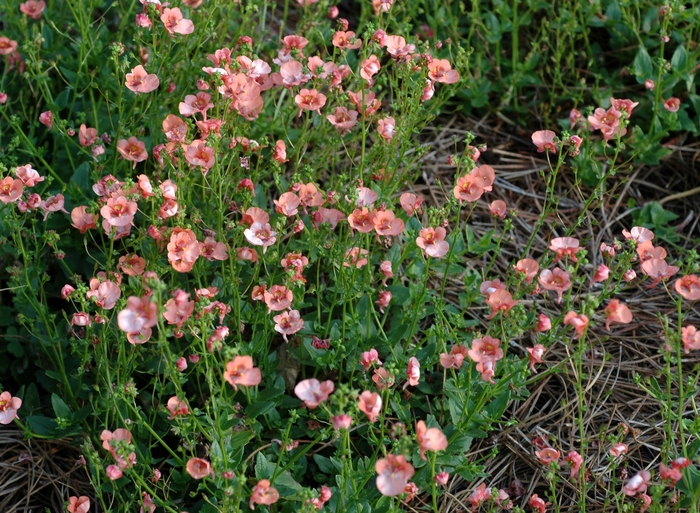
x=366, y=257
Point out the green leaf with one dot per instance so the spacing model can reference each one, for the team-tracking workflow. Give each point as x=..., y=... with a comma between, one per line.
x=42, y=426
x=62, y=99
x=262, y=467
x=286, y=485
x=483, y=245
x=60, y=408
x=15, y=347
x=81, y=177
x=259, y=408
x=643, y=68
x=679, y=61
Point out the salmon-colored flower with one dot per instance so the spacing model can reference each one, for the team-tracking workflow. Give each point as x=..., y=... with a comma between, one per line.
x=639, y=234
x=556, y=279
x=8, y=47
x=577, y=321
x=139, y=81
x=139, y=316
x=455, y=358
x=78, y=504
x=565, y=246
x=8, y=407
x=175, y=23
x=104, y=293
x=548, y=455
x=485, y=349
x=387, y=224
x=411, y=203
x=196, y=104
x=365, y=101
x=617, y=312
x=346, y=40
x=369, y=68
x=263, y=494
x=383, y=378
x=33, y=9
x=367, y=358
x=212, y=250
x=527, y=267
x=288, y=323
x=602, y=273
x=198, y=468
x=657, y=269
x=183, y=249
x=113, y=472
x=690, y=336
x=119, y=211
x=370, y=403
x=132, y=150
x=387, y=128
x=535, y=354
x=28, y=175
x=618, y=449
x=261, y=235
x=10, y=189
x=313, y=392
x=179, y=308
x=278, y=298
x=608, y=122
x=500, y=301
x=310, y=99
x=177, y=406
x=394, y=472
x=440, y=70
x=199, y=154
x=343, y=119
x=413, y=372
x=429, y=439
x=688, y=287
x=433, y=243
x=240, y=371
x=545, y=140
x=355, y=257
x=536, y=503
x=87, y=136
x=647, y=251
x=288, y=204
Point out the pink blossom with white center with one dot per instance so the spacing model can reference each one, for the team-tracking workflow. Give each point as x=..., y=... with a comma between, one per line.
x=313, y=392
x=288, y=323
x=261, y=235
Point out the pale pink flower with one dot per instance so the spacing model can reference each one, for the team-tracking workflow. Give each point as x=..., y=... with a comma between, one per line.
x=8, y=407
x=288, y=204
x=278, y=298
x=623, y=105
x=413, y=372
x=479, y=495
x=132, y=149
x=139, y=315
x=279, y=154
x=618, y=449
x=432, y=241
x=212, y=250
x=440, y=70
x=411, y=203
x=288, y=323
x=528, y=268
x=657, y=269
x=536, y=503
x=119, y=211
x=384, y=300
x=177, y=406
x=261, y=235
x=556, y=279
x=362, y=220
x=28, y=175
x=442, y=478
x=545, y=140
x=343, y=119
x=78, y=504
x=199, y=154
x=370, y=403
x=196, y=104
x=183, y=249
x=53, y=204
x=565, y=246
x=104, y=293
x=365, y=101
x=638, y=483
x=500, y=301
x=33, y=9
x=369, y=68
x=355, y=257
x=369, y=357
x=139, y=81
x=575, y=460
x=10, y=189
x=312, y=392
x=602, y=273
x=387, y=224
x=548, y=455
x=690, y=336
x=455, y=358
x=87, y=136
x=394, y=472
x=198, y=468
x=387, y=128
x=114, y=472
x=179, y=308
x=429, y=439
x=498, y=208
x=240, y=371
x=310, y=99
x=535, y=354
x=608, y=122
x=174, y=22
x=347, y=41
x=638, y=234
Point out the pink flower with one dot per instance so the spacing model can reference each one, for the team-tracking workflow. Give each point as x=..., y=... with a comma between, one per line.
x=575, y=459
x=548, y=455
x=310, y=99
x=429, y=439
x=500, y=301
x=288, y=323
x=196, y=104
x=535, y=355
x=387, y=128
x=498, y=208
x=347, y=41
x=139, y=81
x=432, y=241
x=387, y=224
x=565, y=246
x=688, y=287
x=538, y=504
x=355, y=257
x=578, y=321
x=602, y=273
x=198, y=468
x=618, y=449
x=132, y=150
x=313, y=392
x=10, y=189
x=8, y=407
x=440, y=70
x=261, y=235
x=176, y=406
x=114, y=472
x=479, y=495
x=174, y=22
x=78, y=504
x=28, y=175
x=370, y=403
x=485, y=349
x=104, y=293
x=657, y=269
x=638, y=483
x=45, y=118
x=672, y=104
x=557, y=279
x=279, y=154
x=690, y=336
x=544, y=323
x=369, y=68
x=139, y=316
x=617, y=312
x=413, y=372
x=179, y=308
x=369, y=357
x=240, y=371
x=639, y=234
x=394, y=472
x=527, y=267
x=288, y=204
x=263, y=494
x=183, y=249
x=545, y=140
x=33, y=9
x=411, y=203
x=608, y=122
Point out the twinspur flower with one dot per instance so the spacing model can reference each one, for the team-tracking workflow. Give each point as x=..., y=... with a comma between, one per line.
x=139, y=81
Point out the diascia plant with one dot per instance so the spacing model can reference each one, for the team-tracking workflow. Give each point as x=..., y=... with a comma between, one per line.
x=235, y=295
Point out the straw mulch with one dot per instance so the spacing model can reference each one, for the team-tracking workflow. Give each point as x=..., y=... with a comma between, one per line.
x=614, y=401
